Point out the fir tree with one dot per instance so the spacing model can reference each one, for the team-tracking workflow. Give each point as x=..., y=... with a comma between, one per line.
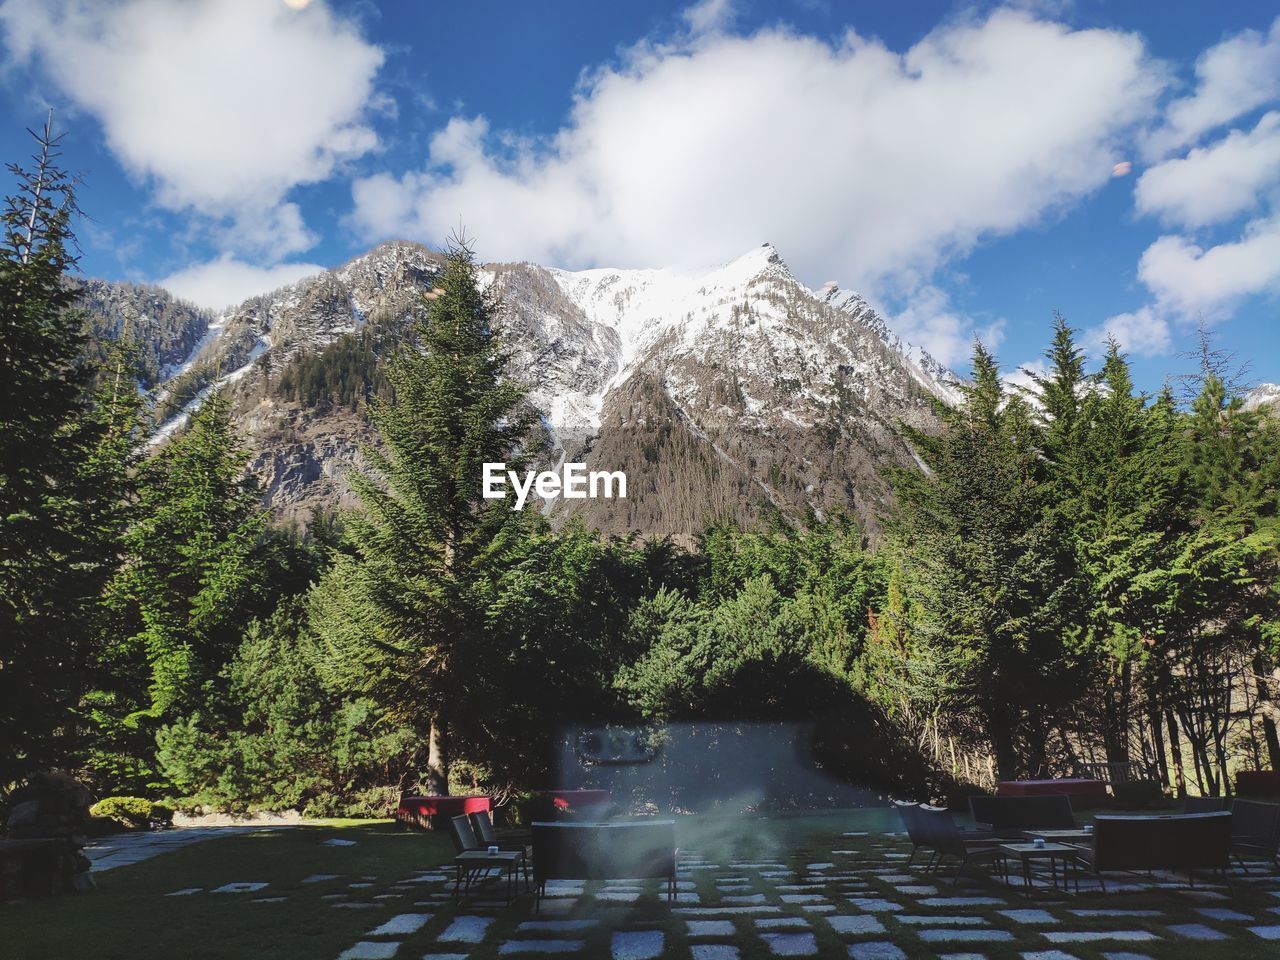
x=989, y=569
x=60, y=460
x=399, y=610
x=196, y=572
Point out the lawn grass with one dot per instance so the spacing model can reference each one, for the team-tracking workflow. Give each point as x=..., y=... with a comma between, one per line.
x=129, y=917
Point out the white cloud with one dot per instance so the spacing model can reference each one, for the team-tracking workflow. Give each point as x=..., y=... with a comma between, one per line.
x=1217, y=182
x=1022, y=380
x=708, y=16
x=931, y=322
x=855, y=160
x=1190, y=280
x=1232, y=78
x=226, y=281
x=1145, y=331
x=222, y=105
x=1235, y=176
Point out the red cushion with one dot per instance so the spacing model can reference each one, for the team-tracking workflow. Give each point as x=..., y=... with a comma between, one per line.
x=422, y=808
x=1070, y=786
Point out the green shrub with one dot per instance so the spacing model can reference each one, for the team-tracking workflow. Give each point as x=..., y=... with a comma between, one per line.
x=131, y=812
x=372, y=802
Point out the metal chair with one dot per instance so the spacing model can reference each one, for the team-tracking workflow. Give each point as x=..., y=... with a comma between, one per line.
x=1255, y=831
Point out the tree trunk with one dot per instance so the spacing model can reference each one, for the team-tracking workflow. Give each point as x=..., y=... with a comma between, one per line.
x=1273, y=742
x=1264, y=704
x=1175, y=751
x=1007, y=766
x=438, y=758
x=1157, y=743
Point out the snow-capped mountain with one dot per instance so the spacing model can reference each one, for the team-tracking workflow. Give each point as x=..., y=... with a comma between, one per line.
x=1263, y=395
x=738, y=392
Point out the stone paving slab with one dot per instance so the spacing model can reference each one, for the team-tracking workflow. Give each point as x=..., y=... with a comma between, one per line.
x=965, y=935
x=713, y=951
x=1197, y=931
x=1115, y=913
x=555, y=926
x=711, y=928
x=856, y=926
x=401, y=925
x=1029, y=916
x=637, y=944
x=1221, y=913
x=540, y=946
x=790, y=944
x=1090, y=936
x=370, y=950
x=875, y=904
x=876, y=950
x=468, y=929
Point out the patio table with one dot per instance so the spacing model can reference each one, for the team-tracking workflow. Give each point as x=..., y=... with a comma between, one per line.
x=474, y=864
x=1053, y=852
x=1060, y=836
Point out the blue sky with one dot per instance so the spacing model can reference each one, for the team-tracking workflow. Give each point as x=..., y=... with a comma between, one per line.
x=969, y=167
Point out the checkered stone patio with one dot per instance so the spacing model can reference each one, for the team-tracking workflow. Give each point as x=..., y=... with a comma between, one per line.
x=833, y=896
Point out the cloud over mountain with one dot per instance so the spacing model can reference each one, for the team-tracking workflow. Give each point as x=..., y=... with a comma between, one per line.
x=863, y=163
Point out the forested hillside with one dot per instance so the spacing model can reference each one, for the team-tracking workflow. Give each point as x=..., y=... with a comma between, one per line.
x=1071, y=571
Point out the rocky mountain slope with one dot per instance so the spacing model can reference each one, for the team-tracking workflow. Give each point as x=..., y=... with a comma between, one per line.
x=1263, y=395
x=738, y=393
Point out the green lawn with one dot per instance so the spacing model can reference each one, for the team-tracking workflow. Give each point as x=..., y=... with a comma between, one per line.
x=130, y=918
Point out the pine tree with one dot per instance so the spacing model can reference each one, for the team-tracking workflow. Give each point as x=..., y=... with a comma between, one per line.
x=195, y=573
x=399, y=609
x=49, y=559
x=990, y=574
x=1212, y=587
x=1116, y=507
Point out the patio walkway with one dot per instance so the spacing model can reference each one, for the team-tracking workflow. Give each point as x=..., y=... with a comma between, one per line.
x=122, y=849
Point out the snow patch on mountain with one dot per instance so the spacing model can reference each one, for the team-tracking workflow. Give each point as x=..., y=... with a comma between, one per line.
x=1264, y=395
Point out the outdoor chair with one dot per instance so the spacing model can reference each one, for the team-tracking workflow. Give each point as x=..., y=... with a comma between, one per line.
x=465, y=841
x=482, y=824
x=939, y=828
x=1176, y=842
x=1205, y=804
x=980, y=807
x=908, y=811
x=1255, y=831
x=920, y=826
